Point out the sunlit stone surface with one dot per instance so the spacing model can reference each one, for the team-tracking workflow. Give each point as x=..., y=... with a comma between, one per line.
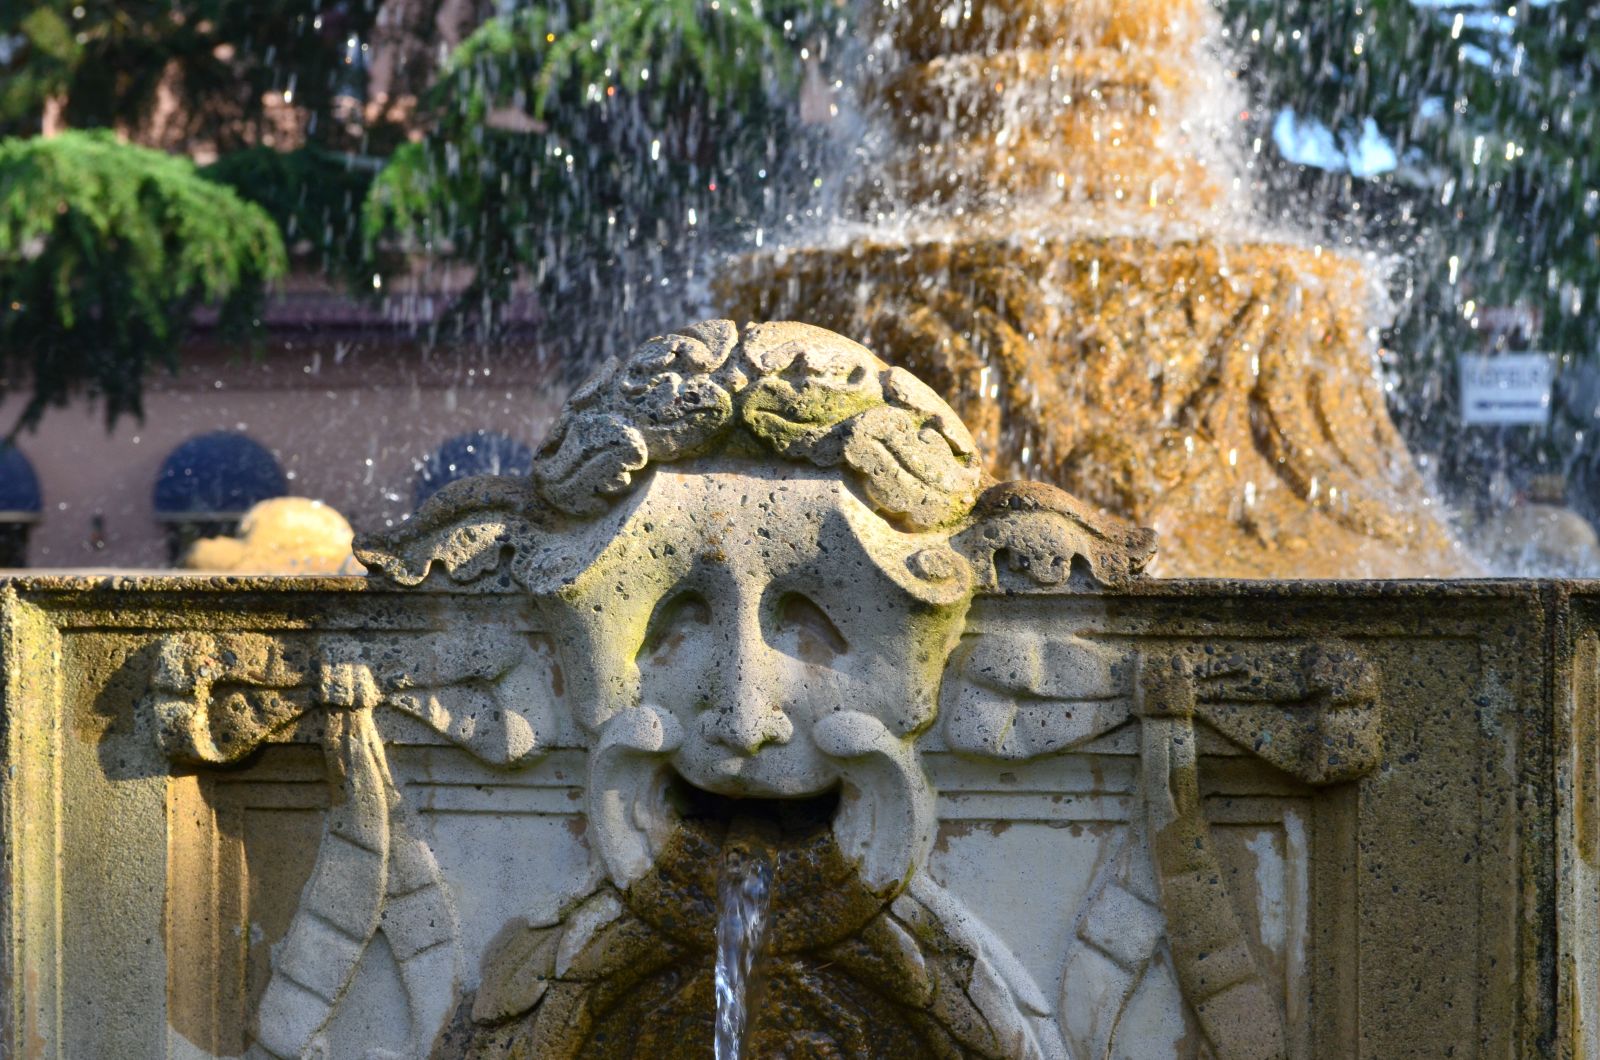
x=1018, y=799
x=1047, y=227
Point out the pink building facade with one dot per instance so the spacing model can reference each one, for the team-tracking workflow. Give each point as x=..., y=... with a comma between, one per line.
x=351, y=419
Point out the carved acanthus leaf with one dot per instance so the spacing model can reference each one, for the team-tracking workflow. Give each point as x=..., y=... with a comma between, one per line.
x=1042, y=534
x=465, y=530
x=909, y=469
x=588, y=459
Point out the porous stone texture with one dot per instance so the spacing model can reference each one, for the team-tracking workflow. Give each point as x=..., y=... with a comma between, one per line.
x=1022, y=801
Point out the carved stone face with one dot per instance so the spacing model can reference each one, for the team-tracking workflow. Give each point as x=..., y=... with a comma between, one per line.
x=753, y=550
x=749, y=610
x=773, y=623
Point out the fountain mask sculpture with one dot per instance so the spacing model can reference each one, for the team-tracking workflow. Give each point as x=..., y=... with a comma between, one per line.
x=754, y=598
x=767, y=545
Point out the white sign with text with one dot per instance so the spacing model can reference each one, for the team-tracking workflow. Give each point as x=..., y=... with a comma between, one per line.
x=1506, y=389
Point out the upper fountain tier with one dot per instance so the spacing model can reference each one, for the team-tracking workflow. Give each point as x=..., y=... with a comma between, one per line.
x=1056, y=240
x=1000, y=106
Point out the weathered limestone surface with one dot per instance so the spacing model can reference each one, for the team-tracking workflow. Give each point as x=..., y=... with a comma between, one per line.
x=1024, y=802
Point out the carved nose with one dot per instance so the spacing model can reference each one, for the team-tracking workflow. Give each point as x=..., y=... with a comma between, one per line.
x=746, y=729
x=744, y=715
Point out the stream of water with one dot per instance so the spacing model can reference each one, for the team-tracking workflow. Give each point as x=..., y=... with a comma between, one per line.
x=743, y=897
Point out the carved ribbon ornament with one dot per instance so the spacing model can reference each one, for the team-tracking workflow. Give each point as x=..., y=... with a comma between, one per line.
x=1311, y=710
x=217, y=698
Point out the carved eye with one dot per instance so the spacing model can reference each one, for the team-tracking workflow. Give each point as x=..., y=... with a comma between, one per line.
x=806, y=632
x=674, y=619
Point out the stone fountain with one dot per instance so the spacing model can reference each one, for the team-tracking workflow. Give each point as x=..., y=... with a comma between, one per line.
x=1048, y=228
x=759, y=614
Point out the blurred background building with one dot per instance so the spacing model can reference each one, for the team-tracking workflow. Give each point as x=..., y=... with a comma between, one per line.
x=379, y=240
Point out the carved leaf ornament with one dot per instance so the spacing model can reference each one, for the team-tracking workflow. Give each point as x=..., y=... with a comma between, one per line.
x=794, y=394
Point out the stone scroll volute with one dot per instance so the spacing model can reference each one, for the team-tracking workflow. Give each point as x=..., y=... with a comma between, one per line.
x=752, y=556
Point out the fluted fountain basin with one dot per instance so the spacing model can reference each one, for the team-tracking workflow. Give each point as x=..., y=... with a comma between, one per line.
x=1223, y=393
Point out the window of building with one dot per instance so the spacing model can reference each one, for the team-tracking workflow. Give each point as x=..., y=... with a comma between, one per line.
x=466, y=455
x=207, y=484
x=20, y=504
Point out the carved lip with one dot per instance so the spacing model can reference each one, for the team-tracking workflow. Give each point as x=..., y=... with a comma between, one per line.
x=763, y=775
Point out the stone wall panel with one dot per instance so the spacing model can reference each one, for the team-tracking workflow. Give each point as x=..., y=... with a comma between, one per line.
x=1441, y=900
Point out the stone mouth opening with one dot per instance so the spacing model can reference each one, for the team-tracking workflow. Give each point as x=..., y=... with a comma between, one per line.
x=817, y=895
x=785, y=821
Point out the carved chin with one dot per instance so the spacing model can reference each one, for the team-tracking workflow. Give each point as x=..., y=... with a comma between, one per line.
x=884, y=822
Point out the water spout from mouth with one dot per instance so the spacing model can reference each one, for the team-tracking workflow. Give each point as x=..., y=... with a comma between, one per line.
x=744, y=891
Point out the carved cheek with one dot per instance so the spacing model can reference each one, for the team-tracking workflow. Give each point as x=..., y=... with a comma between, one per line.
x=809, y=692
x=890, y=675
x=675, y=663
x=907, y=702
x=677, y=689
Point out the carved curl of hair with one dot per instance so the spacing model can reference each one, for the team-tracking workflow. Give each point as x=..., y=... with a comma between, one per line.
x=800, y=392
x=788, y=390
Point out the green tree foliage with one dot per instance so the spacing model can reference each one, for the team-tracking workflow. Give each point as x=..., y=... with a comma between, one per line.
x=563, y=137
x=106, y=250
x=315, y=196
x=197, y=76
x=192, y=76
x=1493, y=114
x=110, y=64
x=565, y=142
